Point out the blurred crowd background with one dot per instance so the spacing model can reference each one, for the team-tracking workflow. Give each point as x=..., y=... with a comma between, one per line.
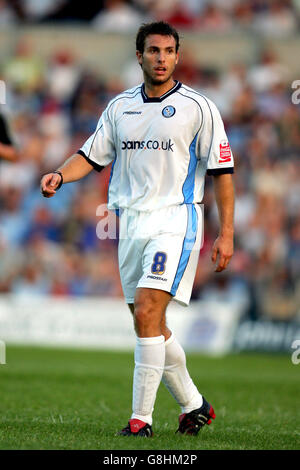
x=274, y=17
x=50, y=246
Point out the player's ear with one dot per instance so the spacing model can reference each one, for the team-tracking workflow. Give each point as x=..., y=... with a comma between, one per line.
x=177, y=58
x=139, y=56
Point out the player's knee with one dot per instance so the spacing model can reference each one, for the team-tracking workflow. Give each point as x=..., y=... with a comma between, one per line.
x=142, y=315
x=147, y=317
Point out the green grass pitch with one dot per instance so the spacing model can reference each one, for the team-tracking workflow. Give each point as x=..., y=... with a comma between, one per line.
x=79, y=399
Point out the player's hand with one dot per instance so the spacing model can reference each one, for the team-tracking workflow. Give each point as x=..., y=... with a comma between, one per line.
x=222, y=252
x=49, y=184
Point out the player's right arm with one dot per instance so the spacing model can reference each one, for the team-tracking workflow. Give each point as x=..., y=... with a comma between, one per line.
x=73, y=169
x=96, y=153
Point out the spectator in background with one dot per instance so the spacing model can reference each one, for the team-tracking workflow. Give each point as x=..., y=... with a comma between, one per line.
x=178, y=15
x=278, y=21
x=63, y=73
x=85, y=101
x=24, y=71
x=233, y=81
x=7, y=15
x=268, y=72
x=214, y=19
x=31, y=281
x=37, y=10
x=243, y=15
x=118, y=16
x=13, y=226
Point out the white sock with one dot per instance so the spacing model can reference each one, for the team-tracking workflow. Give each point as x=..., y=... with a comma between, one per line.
x=177, y=379
x=149, y=365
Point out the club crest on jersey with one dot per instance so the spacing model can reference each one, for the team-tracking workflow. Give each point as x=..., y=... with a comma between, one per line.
x=168, y=111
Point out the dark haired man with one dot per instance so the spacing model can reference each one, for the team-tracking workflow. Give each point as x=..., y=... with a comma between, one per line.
x=162, y=137
x=161, y=28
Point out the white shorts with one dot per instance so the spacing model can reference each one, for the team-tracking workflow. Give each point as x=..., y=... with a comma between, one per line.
x=160, y=250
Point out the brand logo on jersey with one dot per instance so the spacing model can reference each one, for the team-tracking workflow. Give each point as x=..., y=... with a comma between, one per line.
x=225, y=152
x=147, y=144
x=132, y=112
x=168, y=111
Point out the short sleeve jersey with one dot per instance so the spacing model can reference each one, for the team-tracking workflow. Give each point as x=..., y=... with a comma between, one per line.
x=160, y=148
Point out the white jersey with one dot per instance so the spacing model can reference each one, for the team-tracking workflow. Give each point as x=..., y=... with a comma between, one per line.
x=161, y=148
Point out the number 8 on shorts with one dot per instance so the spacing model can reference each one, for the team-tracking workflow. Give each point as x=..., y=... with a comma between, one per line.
x=159, y=261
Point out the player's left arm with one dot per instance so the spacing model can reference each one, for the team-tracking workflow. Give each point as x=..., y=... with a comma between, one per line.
x=223, y=247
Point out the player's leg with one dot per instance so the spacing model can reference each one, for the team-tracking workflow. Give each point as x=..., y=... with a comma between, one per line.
x=174, y=269
x=148, y=312
x=177, y=378
x=175, y=374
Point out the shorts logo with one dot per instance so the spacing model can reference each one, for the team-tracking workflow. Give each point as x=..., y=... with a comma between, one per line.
x=168, y=111
x=225, y=152
x=157, y=278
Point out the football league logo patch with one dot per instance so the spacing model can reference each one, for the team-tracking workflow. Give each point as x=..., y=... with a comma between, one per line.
x=225, y=152
x=168, y=111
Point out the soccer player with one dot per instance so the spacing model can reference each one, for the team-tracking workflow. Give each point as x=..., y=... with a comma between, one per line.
x=162, y=137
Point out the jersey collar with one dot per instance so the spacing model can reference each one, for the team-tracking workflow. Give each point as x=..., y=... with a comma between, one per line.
x=158, y=99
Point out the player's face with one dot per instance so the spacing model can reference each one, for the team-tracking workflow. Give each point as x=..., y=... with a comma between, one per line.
x=159, y=58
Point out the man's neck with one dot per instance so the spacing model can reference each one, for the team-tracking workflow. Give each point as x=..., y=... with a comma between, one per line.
x=155, y=91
